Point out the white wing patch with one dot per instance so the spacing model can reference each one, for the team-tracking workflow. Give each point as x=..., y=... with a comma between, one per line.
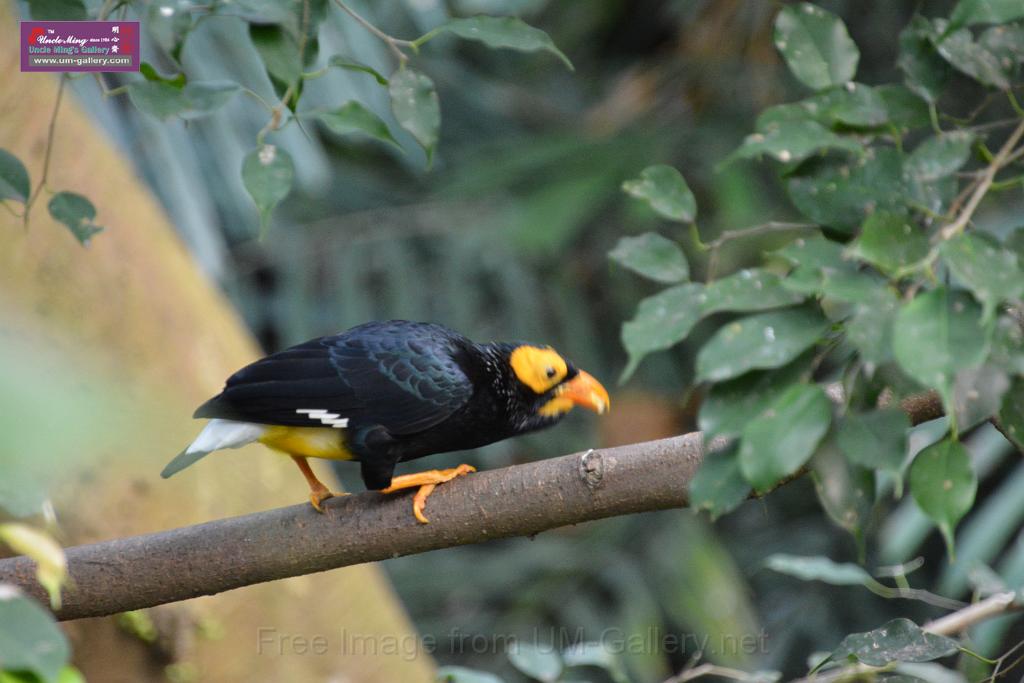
x=328, y=418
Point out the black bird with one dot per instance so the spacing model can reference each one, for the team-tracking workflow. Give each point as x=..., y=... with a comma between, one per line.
x=386, y=392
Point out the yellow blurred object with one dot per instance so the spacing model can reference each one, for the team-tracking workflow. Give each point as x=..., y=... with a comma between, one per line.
x=133, y=312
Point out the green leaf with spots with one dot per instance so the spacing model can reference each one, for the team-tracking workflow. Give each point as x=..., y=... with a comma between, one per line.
x=14, y=182
x=977, y=393
x=969, y=56
x=539, y=663
x=899, y=640
x=793, y=141
x=666, y=318
x=267, y=173
x=968, y=12
x=766, y=340
x=852, y=105
x=938, y=334
x=666, y=191
x=719, y=486
x=499, y=32
x=816, y=46
x=991, y=271
x=816, y=252
x=940, y=156
x=890, y=242
x=925, y=71
x=30, y=639
x=340, y=62
x=783, y=437
x=1011, y=413
x=877, y=440
x=943, y=484
x=77, y=213
x=353, y=117
x=729, y=406
x=841, y=194
x=652, y=256
x=416, y=107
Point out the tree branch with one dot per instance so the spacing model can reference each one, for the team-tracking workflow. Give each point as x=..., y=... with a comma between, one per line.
x=153, y=569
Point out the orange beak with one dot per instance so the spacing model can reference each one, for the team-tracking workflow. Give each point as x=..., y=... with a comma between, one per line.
x=584, y=390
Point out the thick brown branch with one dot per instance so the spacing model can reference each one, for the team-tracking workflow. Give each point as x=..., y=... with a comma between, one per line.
x=143, y=571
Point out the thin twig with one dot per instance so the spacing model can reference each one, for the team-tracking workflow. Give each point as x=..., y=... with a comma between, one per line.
x=49, y=150
x=960, y=620
x=1000, y=159
x=392, y=42
x=709, y=670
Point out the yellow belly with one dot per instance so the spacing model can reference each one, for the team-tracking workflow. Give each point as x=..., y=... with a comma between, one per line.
x=312, y=442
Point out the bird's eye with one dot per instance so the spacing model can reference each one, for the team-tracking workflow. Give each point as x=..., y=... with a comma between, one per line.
x=550, y=372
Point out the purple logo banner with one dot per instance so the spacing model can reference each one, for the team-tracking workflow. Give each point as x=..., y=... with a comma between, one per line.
x=80, y=46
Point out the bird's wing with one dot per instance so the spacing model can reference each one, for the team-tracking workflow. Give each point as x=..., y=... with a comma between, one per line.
x=405, y=382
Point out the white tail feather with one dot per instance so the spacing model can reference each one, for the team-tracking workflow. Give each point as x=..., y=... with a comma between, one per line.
x=218, y=434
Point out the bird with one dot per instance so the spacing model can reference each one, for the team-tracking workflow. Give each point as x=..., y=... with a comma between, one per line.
x=386, y=392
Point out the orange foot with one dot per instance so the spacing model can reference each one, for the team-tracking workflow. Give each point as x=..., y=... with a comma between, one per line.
x=426, y=481
x=318, y=493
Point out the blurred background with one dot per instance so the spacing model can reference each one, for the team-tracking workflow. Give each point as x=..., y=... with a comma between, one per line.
x=505, y=237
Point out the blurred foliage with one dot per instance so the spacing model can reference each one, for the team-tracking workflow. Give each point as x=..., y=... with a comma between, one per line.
x=506, y=236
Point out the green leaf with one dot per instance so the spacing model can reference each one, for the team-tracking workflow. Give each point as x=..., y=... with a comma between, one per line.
x=1006, y=43
x=938, y=334
x=846, y=491
x=664, y=188
x=816, y=252
x=988, y=269
x=666, y=318
x=596, y=654
x=77, y=213
x=1011, y=413
x=278, y=49
x=30, y=639
x=766, y=340
x=793, y=141
x=353, y=117
x=729, y=406
x=415, y=106
x=542, y=664
x=890, y=242
x=925, y=71
x=977, y=393
x=14, y=182
x=163, y=98
x=460, y=674
x=499, y=32
x=268, y=174
x=169, y=22
x=943, y=484
x=876, y=439
x=58, y=10
x=150, y=73
x=940, y=156
x=818, y=568
x=970, y=57
x=719, y=486
x=339, y=62
x=904, y=108
x=816, y=46
x=968, y=12
x=842, y=194
x=854, y=104
x=899, y=640
x=652, y=256
x=780, y=440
